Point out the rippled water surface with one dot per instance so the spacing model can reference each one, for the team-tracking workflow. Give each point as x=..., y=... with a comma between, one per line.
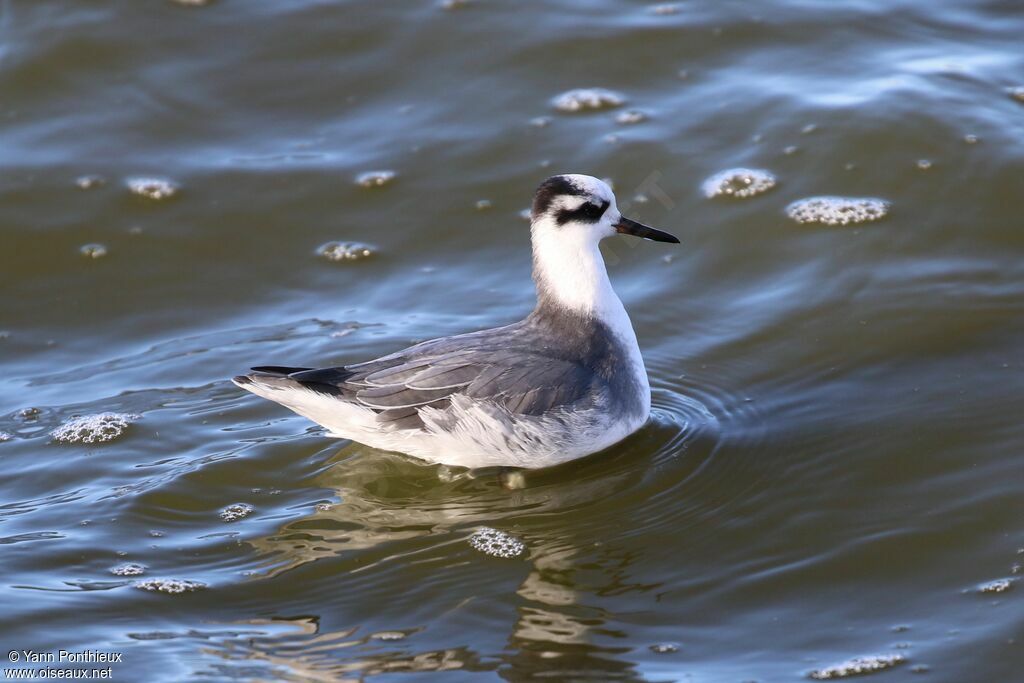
x=832, y=478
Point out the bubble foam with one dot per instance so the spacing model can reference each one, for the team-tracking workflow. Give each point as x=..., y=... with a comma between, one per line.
x=388, y=635
x=170, y=585
x=236, y=512
x=93, y=250
x=857, y=666
x=997, y=586
x=496, y=543
x=630, y=117
x=587, y=99
x=664, y=648
x=93, y=428
x=88, y=182
x=739, y=182
x=375, y=178
x=837, y=210
x=153, y=188
x=128, y=569
x=345, y=251
x=5, y=436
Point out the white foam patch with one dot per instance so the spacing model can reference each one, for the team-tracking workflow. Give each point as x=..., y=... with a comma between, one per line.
x=664, y=648
x=664, y=9
x=235, y=512
x=858, y=666
x=153, y=188
x=388, y=635
x=93, y=428
x=997, y=586
x=739, y=182
x=5, y=436
x=128, y=569
x=587, y=99
x=346, y=251
x=172, y=586
x=838, y=210
x=375, y=178
x=88, y=182
x=496, y=543
x=630, y=117
x=93, y=250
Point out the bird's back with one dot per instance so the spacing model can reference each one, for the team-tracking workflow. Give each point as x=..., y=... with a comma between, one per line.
x=554, y=369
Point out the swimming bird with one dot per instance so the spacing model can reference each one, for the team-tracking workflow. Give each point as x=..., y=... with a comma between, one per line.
x=566, y=381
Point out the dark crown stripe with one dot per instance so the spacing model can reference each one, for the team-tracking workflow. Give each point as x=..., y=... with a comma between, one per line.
x=554, y=186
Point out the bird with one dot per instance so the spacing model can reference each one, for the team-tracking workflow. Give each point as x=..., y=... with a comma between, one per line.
x=565, y=382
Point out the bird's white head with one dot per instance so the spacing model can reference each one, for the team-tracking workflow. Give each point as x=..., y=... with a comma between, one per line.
x=570, y=216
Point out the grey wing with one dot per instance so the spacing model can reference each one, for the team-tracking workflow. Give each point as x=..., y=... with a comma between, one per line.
x=524, y=381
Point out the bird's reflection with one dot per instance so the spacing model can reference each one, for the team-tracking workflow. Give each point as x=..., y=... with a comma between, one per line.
x=385, y=500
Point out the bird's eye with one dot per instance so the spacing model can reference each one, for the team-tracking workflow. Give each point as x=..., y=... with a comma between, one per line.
x=592, y=212
x=585, y=213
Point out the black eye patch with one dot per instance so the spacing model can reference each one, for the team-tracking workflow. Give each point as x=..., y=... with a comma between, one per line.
x=585, y=213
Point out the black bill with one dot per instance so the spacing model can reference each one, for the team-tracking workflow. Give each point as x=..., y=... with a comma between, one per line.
x=628, y=227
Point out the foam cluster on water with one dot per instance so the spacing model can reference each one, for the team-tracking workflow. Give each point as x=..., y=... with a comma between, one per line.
x=5, y=436
x=664, y=9
x=236, y=512
x=128, y=569
x=997, y=586
x=93, y=428
x=153, y=188
x=837, y=210
x=93, y=250
x=630, y=117
x=739, y=182
x=858, y=666
x=587, y=99
x=88, y=182
x=345, y=251
x=664, y=648
x=170, y=585
x=497, y=543
x=388, y=635
x=375, y=178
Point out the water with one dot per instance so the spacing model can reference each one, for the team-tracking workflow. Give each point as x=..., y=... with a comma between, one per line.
x=832, y=473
